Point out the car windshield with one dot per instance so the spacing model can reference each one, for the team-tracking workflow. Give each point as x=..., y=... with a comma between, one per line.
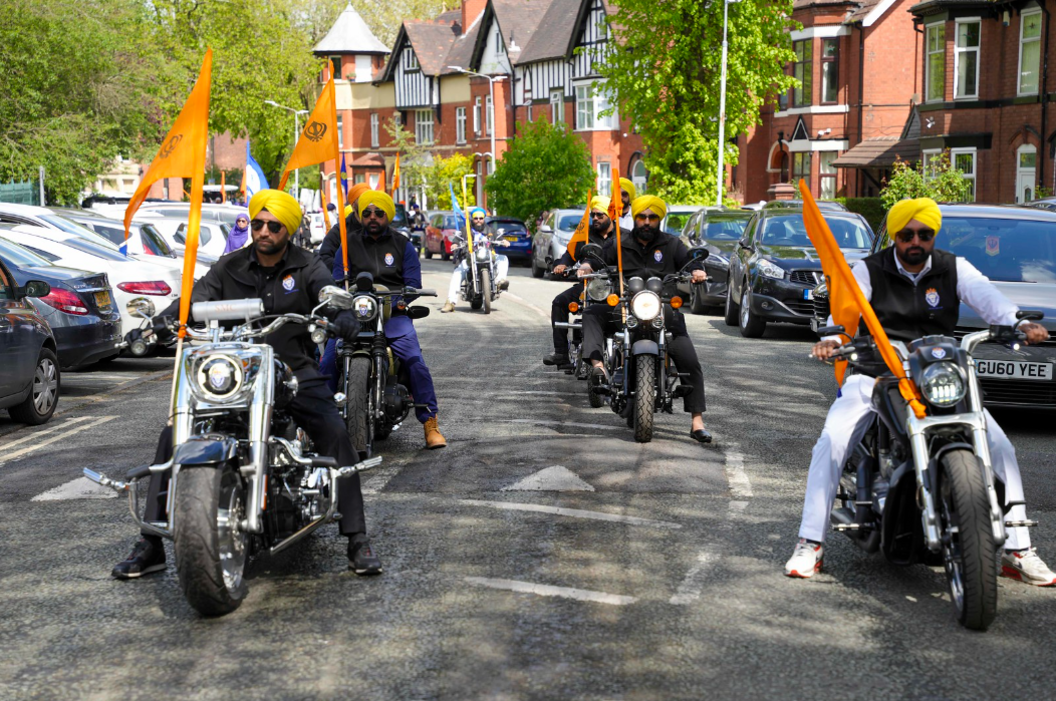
x=21, y=257
x=400, y=219
x=153, y=242
x=676, y=221
x=508, y=227
x=568, y=222
x=1005, y=250
x=451, y=222
x=94, y=249
x=723, y=228
x=72, y=227
x=791, y=231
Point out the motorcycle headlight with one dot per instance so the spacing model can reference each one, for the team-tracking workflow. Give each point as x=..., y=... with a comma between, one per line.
x=364, y=307
x=220, y=376
x=943, y=384
x=599, y=289
x=481, y=253
x=646, y=305
x=769, y=269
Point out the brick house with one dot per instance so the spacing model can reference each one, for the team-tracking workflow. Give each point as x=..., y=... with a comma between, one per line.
x=853, y=113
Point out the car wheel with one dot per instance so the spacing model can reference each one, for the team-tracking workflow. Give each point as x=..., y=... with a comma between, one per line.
x=38, y=407
x=536, y=270
x=696, y=300
x=751, y=325
x=428, y=254
x=732, y=311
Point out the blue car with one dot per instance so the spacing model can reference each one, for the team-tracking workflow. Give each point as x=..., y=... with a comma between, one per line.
x=514, y=231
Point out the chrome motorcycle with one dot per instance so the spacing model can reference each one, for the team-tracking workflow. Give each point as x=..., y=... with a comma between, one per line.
x=478, y=286
x=596, y=290
x=244, y=478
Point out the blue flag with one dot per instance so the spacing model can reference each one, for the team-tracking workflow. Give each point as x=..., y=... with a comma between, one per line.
x=344, y=174
x=255, y=178
x=458, y=210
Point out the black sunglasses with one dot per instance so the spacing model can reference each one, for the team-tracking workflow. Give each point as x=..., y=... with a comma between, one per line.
x=273, y=226
x=907, y=235
x=598, y=215
x=374, y=213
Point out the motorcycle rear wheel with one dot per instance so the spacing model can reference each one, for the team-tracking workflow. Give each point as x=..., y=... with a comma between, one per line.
x=485, y=290
x=359, y=398
x=211, y=550
x=644, y=397
x=969, y=553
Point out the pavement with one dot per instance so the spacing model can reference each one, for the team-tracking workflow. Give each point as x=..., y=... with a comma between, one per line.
x=544, y=554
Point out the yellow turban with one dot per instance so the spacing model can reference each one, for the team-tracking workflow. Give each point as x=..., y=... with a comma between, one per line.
x=924, y=209
x=640, y=204
x=380, y=200
x=601, y=203
x=356, y=191
x=627, y=185
x=281, y=205
x=348, y=210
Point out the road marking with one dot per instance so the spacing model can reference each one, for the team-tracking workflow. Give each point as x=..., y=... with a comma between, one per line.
x=572, y=513
x=544, y=392
x=598, y=597
x=37, y=434
x=740, y=486
x=547, y=422
x=556, y=478
x=693, y=583
x=80, y=488
x=526, y=303
x=377, y=480
x=8, y=457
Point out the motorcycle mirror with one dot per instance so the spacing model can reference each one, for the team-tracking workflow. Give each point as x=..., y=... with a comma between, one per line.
x=1030, y=314
x=590, y=250
x=141, y=307
x=699, y=253
x=335, y=297
x=418, y=312
x=832, y=331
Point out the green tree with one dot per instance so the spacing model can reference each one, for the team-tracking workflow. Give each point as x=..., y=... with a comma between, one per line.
x=444, y=174
x=665, y=76
x=546, y=167
x=943, y=182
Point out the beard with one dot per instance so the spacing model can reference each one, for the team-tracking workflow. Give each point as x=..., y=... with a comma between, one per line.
x=271, y=246
x=601, y=227
x=645, y=233
x=914, y=255
x=374, y=227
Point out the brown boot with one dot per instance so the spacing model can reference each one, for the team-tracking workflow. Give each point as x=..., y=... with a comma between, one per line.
x=447, y=308
x=433, y=439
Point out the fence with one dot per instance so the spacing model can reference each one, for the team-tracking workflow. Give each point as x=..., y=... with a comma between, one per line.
x=27, y=192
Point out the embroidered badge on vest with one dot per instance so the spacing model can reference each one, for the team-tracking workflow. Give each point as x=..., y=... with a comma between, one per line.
x=288, y=282
x=389, y=260
x=932, y=297
x=658, y=256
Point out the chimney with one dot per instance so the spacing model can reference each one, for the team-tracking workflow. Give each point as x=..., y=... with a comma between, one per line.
x=470, y=10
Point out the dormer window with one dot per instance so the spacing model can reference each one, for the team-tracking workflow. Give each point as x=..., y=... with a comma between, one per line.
x=410, y=61
x=500, y=47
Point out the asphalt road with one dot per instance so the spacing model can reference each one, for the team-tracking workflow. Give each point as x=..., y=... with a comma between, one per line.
x=544, y=554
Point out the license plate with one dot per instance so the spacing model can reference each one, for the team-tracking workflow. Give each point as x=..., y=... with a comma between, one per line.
x=808, y=294
x=1013, y=369
x=102, y=299
x=511, y=238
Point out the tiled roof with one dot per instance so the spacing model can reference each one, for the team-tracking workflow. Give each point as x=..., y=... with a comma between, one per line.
x=559, y=21
x=431, y=41
x=879, y=152
x=519, y=20
x=350, y=35
x=462, y=49
x=368, y=160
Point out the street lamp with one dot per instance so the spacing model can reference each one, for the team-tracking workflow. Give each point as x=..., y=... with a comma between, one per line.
x=722, y=102
x=491, y=89
x=296, y=134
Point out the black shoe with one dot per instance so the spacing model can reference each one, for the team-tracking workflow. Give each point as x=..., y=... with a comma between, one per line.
x=148, y=555
x=701, y=434
x=361, y=557
x=556, y=359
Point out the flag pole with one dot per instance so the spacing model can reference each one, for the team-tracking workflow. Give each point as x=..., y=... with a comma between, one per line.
x=337, y=165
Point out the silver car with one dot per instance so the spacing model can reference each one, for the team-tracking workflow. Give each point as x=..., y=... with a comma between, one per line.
x=552, y=239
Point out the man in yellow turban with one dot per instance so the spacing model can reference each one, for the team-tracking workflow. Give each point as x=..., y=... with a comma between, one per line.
x=287, y=279
x=916, y=290
x=628, y=192
x=332, y=240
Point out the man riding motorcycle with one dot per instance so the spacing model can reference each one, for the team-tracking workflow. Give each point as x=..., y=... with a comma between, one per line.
x=648, y=252
x=915, y=290
x=602, y=232
x=390, y=257
x=332, y=240
x=288, y=280
x=502, y=263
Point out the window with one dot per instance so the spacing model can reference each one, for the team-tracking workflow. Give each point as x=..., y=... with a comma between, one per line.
x=802, y=70
x=476, y=117
x=529, y=111
x=1029, y=52
x=337, y=67
x=423, y=126
x=374, y=130
x=460, y=125
x=489, y=115
x=591, y=103
x=6, y=289
x=935, y=63
x=340, y=132
x=639, y=176
x=500, y=47
x=830, y=70
x=964, y=161
x=801, y=167
x=410, y=61
x=604, y=178
x=966, y=60
x=828, y=174
x=557, y=106
x=1026, y=173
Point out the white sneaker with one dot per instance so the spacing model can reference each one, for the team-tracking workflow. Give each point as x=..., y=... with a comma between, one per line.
x=806, y=559
x=1026, y=566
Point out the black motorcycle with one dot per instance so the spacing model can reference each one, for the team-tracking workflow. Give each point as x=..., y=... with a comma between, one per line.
x=373, y=396
x=597, y=288
x=922, y=489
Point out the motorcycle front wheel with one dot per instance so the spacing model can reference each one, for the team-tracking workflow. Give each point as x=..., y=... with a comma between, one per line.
x=969, y=552
x=644, y=397
x=485, y=290
x=211, y=549
x=359, y=397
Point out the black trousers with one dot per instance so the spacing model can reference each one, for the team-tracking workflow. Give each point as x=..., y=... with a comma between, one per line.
x=559, y=312
x=600, y=321
x=313, y=410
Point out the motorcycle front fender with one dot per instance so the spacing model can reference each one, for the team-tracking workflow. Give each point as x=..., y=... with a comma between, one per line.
x=205, y=451
x=645, y=347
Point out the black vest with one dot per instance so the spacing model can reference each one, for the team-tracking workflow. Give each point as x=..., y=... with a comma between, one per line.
x=907, y=311
x=381, y=257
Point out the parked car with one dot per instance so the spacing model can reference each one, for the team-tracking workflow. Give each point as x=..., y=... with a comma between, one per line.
x=226, y=213
x=514, y=231
x=80, y=307
x=212, y=237
x=677, y=216
x=129, y=278
x=775, y=268
x=797, y=205
x=552, y=239
x=439, y=234
x=718, y=230
x=167, y=228
x=1043, y=203
x=29, y=375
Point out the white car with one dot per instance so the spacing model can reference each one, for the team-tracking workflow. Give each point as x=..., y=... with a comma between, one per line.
x=212, y=236
x=144, y=242
x=226, y=213
x=166, y=228
x=130, y=278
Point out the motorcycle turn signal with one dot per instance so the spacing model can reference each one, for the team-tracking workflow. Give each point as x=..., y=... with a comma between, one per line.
x=676, y=302
x=613, y=300
x=573, y=307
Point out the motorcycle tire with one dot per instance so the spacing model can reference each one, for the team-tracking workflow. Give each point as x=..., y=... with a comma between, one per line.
x=596, y=399
x=485, y=290
x=211, y=556
x=731, y=312
x=969, y=554
x=359, y=396
x=644, y=397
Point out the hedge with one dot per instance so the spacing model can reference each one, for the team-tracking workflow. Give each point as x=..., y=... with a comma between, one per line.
x=872, y=208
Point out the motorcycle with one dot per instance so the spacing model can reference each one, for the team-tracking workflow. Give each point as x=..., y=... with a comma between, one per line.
x=923, y=489
x=596, y=290
x=478, y=286
x=374, y=399
x=146, y=343
x=244, y=477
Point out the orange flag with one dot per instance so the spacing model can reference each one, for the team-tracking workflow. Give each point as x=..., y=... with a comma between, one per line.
x=582, y=229
x=322, y=197
x=616, y=205
x=847, y=303
x=223, y=187
x=182, y=155
x=396, y=174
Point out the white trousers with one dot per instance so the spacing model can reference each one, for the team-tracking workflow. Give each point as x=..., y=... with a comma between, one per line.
x=502, y=269
x=847, y=415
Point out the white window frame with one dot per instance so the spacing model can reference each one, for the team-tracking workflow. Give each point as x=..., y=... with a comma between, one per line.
x=476, y=116
x=460, y=125
x=489, y=116
x=604, y=184
x=340, y=131
x=589, y=110
x=954, y=152
x=959, y=51
x=500, y=45
x=827, y=173
x=1021, y=172
x=927, y=61
x=411, y=62
x=1019, y=69
x=375, y=121
x=528, y=110
x=557, y=106
x=424, y=122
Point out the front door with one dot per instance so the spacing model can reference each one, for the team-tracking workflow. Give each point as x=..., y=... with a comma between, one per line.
x=17, y=336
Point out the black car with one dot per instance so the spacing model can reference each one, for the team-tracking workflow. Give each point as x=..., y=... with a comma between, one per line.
x=29, y=374
x=775, y=268
x=79, y=308
x=718, y=230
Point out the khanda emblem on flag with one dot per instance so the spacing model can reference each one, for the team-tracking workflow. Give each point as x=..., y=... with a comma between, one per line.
x=170, y=146
x=315, y=131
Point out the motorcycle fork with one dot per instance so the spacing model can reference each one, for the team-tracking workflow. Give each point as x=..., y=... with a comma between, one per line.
x=381, y=373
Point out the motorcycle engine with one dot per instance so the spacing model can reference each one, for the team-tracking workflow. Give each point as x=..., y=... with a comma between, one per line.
x=285, y=384
x=397, y=401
